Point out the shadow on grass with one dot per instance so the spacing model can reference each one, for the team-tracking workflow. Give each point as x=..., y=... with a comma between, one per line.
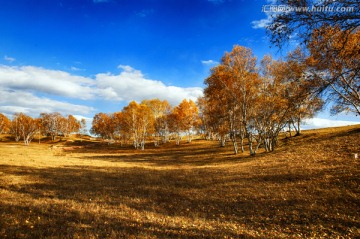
x=122, y=202
x=198, y=153
x=170, y=158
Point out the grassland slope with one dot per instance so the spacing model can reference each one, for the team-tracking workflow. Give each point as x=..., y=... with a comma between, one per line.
x=307, y=188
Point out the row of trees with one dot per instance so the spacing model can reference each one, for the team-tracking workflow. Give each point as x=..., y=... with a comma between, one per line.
x=256, y=103
x=149, y=119
x=25, y=127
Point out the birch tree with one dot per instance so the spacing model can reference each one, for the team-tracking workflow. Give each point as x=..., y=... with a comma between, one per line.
x=332, y=39
x=189, y=117
x=4, y=123
x=26, y=127
x=138, y=121
x=71, y=125
x=221, y=104
x=15, y=127
x=306, y=16
x=103, y=126
x=299, y=90
x=334, y=63
x=160, y=111
x=241, y=64
x=175, y=125
x=52, y=124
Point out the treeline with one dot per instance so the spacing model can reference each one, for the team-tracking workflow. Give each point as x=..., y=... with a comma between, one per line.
x=154, y=120
x=24, y=127
x=244, y=101
x=246, y=104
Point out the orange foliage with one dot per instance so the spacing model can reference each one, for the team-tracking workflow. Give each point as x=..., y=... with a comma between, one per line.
x=335, y=63
x=4, y=124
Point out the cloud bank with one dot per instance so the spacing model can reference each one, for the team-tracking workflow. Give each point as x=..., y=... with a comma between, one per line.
x=131, y=84
x=262, y=23
x=32, y=90
x=316, y=123
x=21, y=101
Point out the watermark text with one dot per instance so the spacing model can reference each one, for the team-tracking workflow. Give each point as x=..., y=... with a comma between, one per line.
x=288, y=8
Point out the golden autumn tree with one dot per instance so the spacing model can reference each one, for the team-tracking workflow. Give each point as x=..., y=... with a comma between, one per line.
x=243, y=101
x=15, y=127
x=284, y=98
x=273, y=104
x=52, y=124
x=83, y=128
x=185, y=118
x=25, y=127
x=220, y=104
x=138, y=121
x=103, y=126
x=175, y=125
x=71, y=125
x=4, y=123
x=231, y=92
x=145, y=124
x=130, y=122
x=162, y=127
x=331, y=37
x=304, y=104
x=160, y=110
x=245, y=81
x=205, y=127
x=117, y=122
x=300, y=23
x=334, y=63
x=216, y=122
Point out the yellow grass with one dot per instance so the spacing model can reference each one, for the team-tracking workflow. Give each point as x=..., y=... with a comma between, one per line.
x=307, y=188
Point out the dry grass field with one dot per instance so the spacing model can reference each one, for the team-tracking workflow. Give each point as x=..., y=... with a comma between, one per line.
x=307, y=188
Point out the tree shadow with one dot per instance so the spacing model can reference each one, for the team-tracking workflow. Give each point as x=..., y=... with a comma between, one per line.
x=254, y=201
x=187, y=154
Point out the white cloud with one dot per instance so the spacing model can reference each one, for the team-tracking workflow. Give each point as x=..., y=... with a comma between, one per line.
x=33, y=90
x=209, y=62
x=21, y=101
x=53, y=82
x=262, y=23
x=9, y=59
x=127, y=68
x=316, y=123
x=270, y=14
x=131, y=84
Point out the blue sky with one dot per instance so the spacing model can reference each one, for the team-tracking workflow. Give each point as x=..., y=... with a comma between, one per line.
x=82, y=57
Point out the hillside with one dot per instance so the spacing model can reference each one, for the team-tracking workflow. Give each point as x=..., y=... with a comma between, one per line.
x=307, y=188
